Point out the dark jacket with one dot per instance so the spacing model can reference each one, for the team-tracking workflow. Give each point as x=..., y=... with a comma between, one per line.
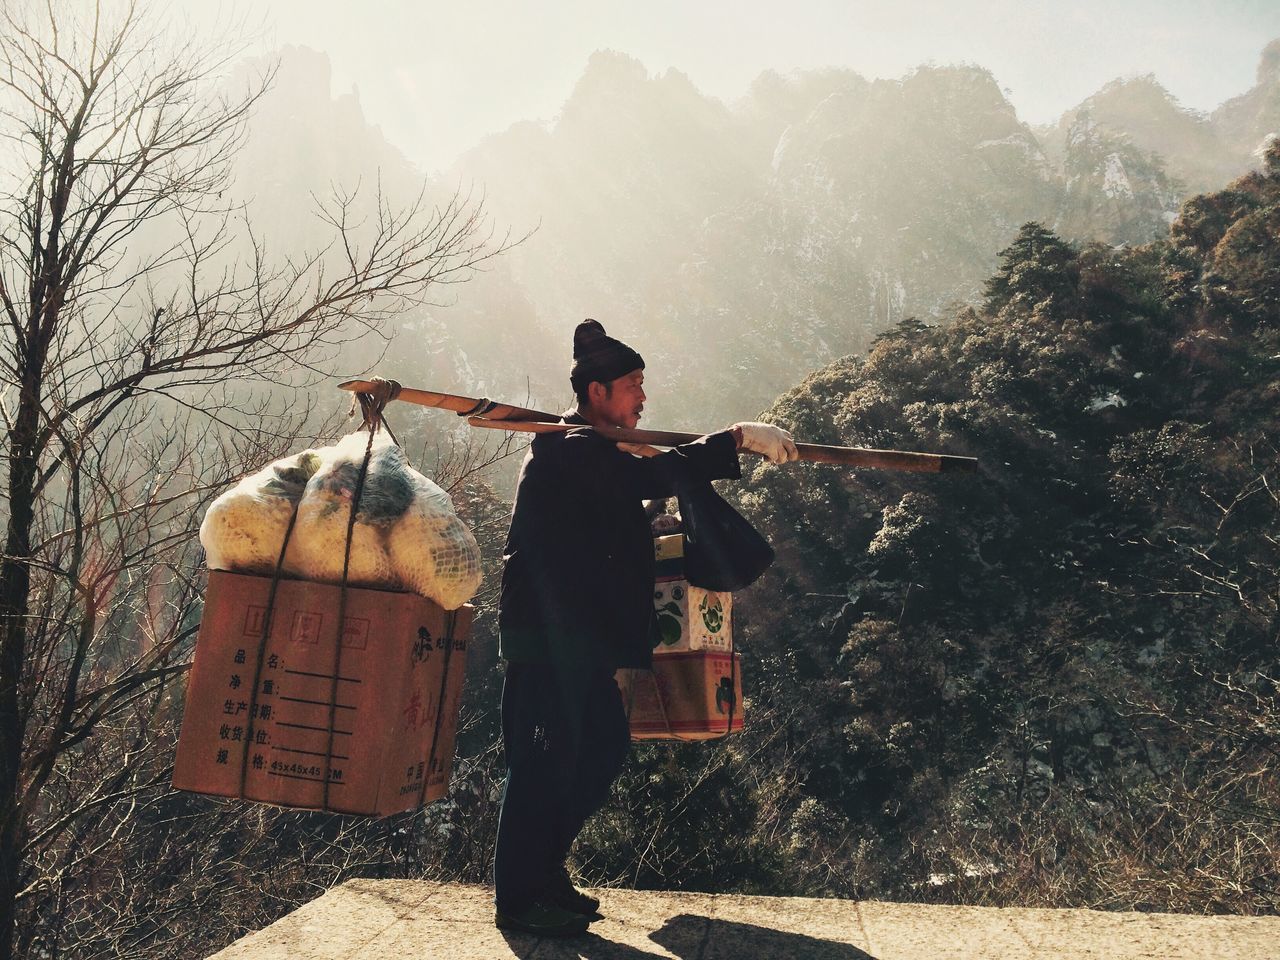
x=578, y=567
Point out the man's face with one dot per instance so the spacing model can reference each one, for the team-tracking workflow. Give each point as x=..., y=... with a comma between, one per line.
x=619, y=402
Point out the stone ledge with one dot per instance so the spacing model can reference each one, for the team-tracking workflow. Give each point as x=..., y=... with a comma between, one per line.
x=393, y=919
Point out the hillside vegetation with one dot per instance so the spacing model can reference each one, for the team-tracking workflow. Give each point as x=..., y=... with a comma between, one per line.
x=1054, y=682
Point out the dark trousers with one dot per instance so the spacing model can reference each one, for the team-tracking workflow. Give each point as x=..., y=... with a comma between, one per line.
x=566, y=736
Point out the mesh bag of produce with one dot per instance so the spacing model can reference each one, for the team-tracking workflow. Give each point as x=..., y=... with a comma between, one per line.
x=406, y=535
x=436, y=555
x=319, y=542
x=244, y=528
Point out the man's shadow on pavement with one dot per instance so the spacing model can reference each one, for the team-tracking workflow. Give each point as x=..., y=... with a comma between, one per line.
x=691, y=937
x=729, y=938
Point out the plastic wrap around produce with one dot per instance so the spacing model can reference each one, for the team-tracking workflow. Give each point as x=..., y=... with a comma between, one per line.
x=406, y=534
x=243, y=529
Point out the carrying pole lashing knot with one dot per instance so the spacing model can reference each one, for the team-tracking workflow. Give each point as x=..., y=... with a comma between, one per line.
x=482, y=408
x=373, y=402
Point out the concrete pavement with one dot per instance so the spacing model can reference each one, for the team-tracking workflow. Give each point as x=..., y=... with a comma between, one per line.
x=394, y=919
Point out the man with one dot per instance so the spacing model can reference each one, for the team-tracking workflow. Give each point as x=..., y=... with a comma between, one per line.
x=576, y=605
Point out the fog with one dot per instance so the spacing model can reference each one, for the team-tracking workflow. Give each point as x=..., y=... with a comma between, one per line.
x=437, y=77
x=747, y=194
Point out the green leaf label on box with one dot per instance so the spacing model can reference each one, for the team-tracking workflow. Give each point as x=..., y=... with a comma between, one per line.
x=669, y=623
x=712, y=611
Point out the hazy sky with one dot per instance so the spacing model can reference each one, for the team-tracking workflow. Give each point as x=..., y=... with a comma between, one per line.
x=439, y=76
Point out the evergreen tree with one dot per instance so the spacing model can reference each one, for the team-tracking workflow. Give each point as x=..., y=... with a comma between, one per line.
x=1036, y=268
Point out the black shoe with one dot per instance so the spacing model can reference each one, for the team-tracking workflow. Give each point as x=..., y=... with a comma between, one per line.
x=565, y=895
x=543, y=919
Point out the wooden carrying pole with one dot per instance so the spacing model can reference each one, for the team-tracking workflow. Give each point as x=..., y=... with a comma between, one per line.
x=462, y=406
x=502, y=416
x=811, y=452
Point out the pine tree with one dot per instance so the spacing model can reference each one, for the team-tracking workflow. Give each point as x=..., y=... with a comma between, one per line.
x=1037, y=268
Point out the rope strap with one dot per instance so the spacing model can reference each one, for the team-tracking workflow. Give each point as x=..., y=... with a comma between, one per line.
x=483, y=405
x=342, y=595
x=451, y=624
x=268, y=619
x=372, y=405
x=374, y=402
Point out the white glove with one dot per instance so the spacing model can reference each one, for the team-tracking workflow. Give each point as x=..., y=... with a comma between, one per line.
x=774, y=442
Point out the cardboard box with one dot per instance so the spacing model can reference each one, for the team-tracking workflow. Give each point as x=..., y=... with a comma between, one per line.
x=690, y=618
x=693, y=695
x=668, y=555
x=257, y=722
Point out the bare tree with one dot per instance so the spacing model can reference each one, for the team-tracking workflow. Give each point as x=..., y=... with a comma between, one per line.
x=124, y=402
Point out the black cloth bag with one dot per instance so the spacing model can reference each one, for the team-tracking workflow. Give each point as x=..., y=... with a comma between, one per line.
x=722, y=550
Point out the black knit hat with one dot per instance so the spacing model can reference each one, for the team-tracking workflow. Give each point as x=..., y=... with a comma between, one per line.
x=598, y=356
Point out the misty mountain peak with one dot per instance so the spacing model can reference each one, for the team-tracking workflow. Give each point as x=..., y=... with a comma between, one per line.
x=1247, y=122
x=961, y=82
x=802, y=88
x=303, y=72
x=1143, y=113
x=616, y=97
x=1269, y=64
x=609, y=72
x=962, y=100
x=678, y=80
x=1141, y=93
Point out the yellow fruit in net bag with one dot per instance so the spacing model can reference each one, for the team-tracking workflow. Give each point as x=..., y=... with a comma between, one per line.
x=436, y=556
x=243, y=529
x=406, y=535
